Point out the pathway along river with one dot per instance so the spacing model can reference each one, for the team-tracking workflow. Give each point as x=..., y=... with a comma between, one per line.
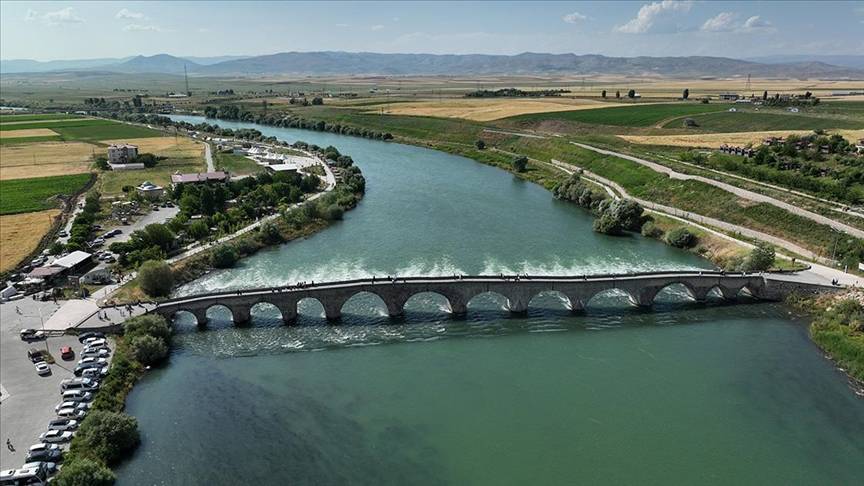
x=684, y=394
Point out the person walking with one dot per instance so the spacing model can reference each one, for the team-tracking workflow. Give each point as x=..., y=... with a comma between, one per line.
x=9, y=445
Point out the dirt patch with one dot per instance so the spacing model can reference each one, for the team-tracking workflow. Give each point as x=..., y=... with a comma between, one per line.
x=45, y=159
x=171, y=147
x=30, y=132
x=487, y=109
x=20, y=235
x=714, y=140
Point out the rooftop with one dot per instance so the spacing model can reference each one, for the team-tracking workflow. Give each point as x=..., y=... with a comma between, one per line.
x=71, y=259
x=199, y=177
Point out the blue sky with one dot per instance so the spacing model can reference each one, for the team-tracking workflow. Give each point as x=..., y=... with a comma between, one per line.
x=77, y=30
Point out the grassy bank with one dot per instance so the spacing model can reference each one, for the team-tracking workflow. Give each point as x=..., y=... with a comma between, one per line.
x=838, y=328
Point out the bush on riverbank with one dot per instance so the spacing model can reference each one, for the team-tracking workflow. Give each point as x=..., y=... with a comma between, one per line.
x=681, y=237
x=155, y=278
x=84, y=472
x=224, y=256
x=148, y=350
x=838, y=328
x=107, y=436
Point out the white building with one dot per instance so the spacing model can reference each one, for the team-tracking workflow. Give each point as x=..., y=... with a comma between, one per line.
x=150, y=191
x=122, y=153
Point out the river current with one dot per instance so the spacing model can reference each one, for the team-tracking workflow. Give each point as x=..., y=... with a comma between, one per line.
x=683, y=394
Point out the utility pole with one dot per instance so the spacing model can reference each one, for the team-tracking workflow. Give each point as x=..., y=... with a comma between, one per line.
x=186, y=76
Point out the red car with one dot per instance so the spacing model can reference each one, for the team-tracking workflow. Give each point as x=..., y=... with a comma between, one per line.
x=66, y=352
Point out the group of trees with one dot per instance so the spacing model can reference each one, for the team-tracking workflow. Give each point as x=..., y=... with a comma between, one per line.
x=233, y=112
x=614, y=217
x=519, y=163
x=82, y=226
x=153, y=242
x=515, y=93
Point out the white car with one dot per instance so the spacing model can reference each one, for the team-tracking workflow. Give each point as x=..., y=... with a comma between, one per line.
x=95, y=372
x=43, y=369
x=77, y=396
x=95, y=353
x=71, y=413
x=92, y=361
x=72, y=405
x=95, y=342
x=63, y=424
x=78, y=384
x=56, y=436
x=41, y=447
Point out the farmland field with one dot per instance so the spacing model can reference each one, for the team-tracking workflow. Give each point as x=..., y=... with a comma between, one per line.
x=748, y=121
x=26, y=140
x=714, y=140
x=46, y=116
x=170, y=147
x=236, y=164
x=75, y=122
x=27, y=195
x=86, y=129
x=182, y=154
x=20, y=234
x=31, y=132
x=44, y=159
x=642, y=115
x=487, y=109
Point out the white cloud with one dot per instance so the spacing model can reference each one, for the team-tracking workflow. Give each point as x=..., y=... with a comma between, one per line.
x=650, y=13
x=62, y=16
x=722, y=22
x=130, y=15
x=574, y=18
x=141, y=28
x=377, y=27
x=756, y=24
x=32, y=14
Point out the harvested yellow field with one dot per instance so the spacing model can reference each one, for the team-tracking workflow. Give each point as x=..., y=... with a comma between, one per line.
x=487, y=109
x=45, y=159
x=715, y=140
x=20, y=234
x=32, y=132
x=171, y=147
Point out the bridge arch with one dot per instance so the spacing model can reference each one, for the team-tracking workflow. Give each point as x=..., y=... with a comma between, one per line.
x=309, y=308
x=428, y=301
x=181, y=317
x=668, y=292
x=266, y=311
x=488, y=300
x=218, y=312
x=366, y=303
x=610, y=298
x=556, y=297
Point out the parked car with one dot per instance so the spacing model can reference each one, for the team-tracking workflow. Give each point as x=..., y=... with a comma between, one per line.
x=42, y=369
x=109, y=259
x=91, y=361
x=49, y=467
x=63, y=234
x=67, y=353
x=77, y=396
x=95, y=353
x=87, y=384
x=95, y=341
x=92, y=334
x=56, y=436
x=63, y=424
x=36, y=355
x=95, y=372
x=31, y=335
x=71, y=413
x=43, y=452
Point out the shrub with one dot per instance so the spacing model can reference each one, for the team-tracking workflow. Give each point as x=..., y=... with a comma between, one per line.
x=681, y=237
x=520, y=163
x=84, y=472
x=607, y=224
x=56, y=248
x=147, y=325
x=650, y=230
x=148, y=350
x=107, y=435
x=224, y=256
x=156, y=278
x=760, y=258
x=480, y=144
x=269, y=234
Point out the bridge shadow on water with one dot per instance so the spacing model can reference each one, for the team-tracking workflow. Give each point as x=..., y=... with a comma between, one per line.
x=427, y=317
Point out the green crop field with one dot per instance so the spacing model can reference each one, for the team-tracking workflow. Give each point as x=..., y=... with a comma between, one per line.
x=748, y=121
x=27, y=195
x=47, y=116
x=237, y=164
x=626, y=116
x=20, y=140
x=8, y=125
x=85, y=129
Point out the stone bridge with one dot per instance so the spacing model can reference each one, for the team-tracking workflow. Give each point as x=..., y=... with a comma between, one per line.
x=459, y=290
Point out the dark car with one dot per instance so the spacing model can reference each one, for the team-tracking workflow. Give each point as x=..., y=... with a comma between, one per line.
x=87, y=335
x=53, y=455
x=36, y=355
x=67, y=353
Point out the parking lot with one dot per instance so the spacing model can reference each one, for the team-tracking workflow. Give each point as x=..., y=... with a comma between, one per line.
x=28, y=400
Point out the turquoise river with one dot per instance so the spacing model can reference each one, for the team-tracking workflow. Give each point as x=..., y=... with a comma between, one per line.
x=684, y=394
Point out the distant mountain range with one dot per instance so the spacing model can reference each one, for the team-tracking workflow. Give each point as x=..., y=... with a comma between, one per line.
x=855, y=62
x=365, y=63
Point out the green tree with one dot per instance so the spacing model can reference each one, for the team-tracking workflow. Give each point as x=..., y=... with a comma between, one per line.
x=617, y=94
x=198, y=229
x=159, y=235
x=519, y=163
x=760, y=258
x=607, y=224
x=224, y=256
x=603, y=94
x=56, y=248
x=681, y=237
x=685, y=94
x=147, y=325
x=480, y=144
x=84, y=472
x=107, y=435
x=148, y=350
x=631, y=94
x=269, y=234
x=156, y=278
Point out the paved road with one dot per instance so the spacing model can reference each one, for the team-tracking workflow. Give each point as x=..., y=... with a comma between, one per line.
x=819, y=271
x=28, y=399
x=208, y=156
x=753, y=196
